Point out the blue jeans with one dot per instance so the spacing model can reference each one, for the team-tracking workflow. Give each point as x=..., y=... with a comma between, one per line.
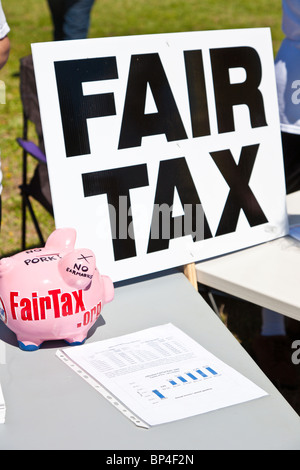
x=71, y=18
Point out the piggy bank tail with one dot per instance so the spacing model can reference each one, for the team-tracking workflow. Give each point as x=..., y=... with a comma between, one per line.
x=109, y=290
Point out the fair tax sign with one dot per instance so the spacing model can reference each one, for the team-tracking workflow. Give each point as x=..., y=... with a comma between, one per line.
x=163, y=149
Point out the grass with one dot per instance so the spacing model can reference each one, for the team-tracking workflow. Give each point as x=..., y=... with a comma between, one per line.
x=30, y=22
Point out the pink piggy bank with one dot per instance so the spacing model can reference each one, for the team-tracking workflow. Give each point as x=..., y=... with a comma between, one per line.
x=52, y=293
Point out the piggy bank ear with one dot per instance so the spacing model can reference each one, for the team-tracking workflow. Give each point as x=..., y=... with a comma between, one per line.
x=77, y=268
x=61, y=240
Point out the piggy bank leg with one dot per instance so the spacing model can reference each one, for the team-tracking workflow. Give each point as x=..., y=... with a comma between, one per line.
x=28, y=345
x=76, y=340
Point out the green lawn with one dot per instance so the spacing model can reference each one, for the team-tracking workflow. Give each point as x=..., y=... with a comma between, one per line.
x=30, y=22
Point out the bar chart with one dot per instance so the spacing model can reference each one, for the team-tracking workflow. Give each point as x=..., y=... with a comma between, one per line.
x=186, y=378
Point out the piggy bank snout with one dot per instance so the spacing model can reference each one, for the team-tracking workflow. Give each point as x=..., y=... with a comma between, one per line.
x=77, y=268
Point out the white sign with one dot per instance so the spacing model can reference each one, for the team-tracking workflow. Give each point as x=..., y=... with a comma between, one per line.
x=163, y=149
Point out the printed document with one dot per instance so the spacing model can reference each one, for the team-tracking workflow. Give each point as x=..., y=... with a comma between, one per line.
x=161, y=374
x=2, y=407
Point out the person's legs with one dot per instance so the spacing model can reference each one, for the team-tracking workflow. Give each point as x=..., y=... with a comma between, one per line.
x=77, y=18
x=57, y=9
x=272, y=323
x=272, y=350
x=291, y=156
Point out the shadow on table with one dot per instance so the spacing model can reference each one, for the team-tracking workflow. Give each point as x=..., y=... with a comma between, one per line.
x=244, y=319
x=8, y=337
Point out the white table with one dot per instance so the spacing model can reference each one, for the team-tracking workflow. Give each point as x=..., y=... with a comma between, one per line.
x=50, y=407
x=267, y=275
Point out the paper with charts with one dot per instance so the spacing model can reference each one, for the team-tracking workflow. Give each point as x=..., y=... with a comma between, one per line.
x=160, y=374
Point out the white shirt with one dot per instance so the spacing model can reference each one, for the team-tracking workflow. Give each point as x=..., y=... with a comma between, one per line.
x=287, y=68
x=4, y=28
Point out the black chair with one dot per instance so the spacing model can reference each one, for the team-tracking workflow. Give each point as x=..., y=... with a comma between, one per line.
x=38, y=186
